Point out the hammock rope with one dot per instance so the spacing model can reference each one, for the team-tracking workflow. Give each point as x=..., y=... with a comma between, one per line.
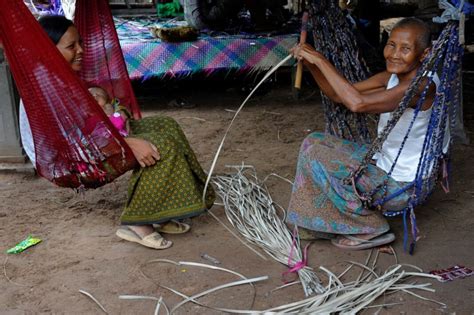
x=334, y=38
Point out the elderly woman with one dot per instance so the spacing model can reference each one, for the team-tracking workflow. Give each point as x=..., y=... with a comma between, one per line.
x=321, y=202
x=169, y=184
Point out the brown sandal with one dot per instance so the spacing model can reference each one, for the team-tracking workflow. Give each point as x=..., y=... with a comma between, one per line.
x=173, y=227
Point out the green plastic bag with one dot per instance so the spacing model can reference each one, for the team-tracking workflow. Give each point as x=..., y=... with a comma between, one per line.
x=28, y=242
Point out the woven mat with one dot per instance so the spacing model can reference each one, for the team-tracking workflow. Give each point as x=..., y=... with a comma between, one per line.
x=147, y=56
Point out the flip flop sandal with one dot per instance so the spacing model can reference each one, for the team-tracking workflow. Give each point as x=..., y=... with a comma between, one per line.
x=173, y=227
x=363, y=244
x=153, y=240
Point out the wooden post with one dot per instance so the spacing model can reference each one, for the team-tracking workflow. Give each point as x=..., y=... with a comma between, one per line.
x=304, y=33
x=10, y=149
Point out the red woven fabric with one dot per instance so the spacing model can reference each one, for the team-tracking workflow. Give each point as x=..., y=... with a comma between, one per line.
x=103, y=64
x=75, y=143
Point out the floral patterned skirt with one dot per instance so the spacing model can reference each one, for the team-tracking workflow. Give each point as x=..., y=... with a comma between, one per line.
x=322, y=202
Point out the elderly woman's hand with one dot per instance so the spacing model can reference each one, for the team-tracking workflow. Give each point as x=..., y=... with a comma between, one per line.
x=145, y=152
x=306, y=53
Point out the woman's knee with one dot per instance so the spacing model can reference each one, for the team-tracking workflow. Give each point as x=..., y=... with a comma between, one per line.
x=161, y=124
x=313, y=138
x=159, y=120
x=168, y=123
x=169, y=148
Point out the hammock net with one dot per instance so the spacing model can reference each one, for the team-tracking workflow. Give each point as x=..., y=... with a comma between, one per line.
x=75, y=143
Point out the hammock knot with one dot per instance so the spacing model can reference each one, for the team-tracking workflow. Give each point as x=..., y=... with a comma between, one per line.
x=451, y=12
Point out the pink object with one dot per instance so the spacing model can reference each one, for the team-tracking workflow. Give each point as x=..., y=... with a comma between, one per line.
x=294, y=268
x=452, y=273
x=119, y=123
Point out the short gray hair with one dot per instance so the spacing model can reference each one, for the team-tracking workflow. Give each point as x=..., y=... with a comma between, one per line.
x=424, y=37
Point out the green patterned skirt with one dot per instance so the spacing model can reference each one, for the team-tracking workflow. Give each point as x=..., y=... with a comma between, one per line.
x=172, y=188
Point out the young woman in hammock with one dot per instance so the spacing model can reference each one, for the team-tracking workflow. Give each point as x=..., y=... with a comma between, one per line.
x=168, y=186
x=321, y=203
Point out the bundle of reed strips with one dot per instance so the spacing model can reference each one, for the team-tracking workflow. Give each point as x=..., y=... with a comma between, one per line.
x=251, y=210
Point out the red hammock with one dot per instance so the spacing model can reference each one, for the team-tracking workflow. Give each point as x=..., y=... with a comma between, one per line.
x=102, y=62
x=75, y=144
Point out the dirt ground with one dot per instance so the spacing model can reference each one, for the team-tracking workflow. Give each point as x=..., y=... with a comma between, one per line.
x=81, y=252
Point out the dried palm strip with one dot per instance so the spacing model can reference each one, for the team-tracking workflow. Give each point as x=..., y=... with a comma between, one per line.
x=282, y=287
x=193, y=298
x=356, y=295
x=251, y=210
x=352, y=298
x=211, y=170
x=95, y=300
x=214, y=161
x=158, y=305
x=195, y=118
x=8, y=278
x=339, y=297
x=278, y=176
x=144, y=297
x=220, y=287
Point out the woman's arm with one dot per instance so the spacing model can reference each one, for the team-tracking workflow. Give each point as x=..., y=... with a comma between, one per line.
x=144, y=151
x=368, y=96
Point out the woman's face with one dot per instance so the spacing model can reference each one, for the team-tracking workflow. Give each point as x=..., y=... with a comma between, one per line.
x=401, y=52
x=70, y=46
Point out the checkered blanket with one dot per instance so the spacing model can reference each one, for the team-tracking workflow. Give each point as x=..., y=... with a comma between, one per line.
x=147, y=56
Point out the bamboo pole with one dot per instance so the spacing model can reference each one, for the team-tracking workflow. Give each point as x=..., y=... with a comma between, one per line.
x=304, y=33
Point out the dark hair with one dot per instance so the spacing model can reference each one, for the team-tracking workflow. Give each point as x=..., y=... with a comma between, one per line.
x=424, y=36
x=55, y=26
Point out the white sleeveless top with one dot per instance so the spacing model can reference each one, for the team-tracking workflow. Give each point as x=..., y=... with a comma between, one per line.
x=407, y=164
